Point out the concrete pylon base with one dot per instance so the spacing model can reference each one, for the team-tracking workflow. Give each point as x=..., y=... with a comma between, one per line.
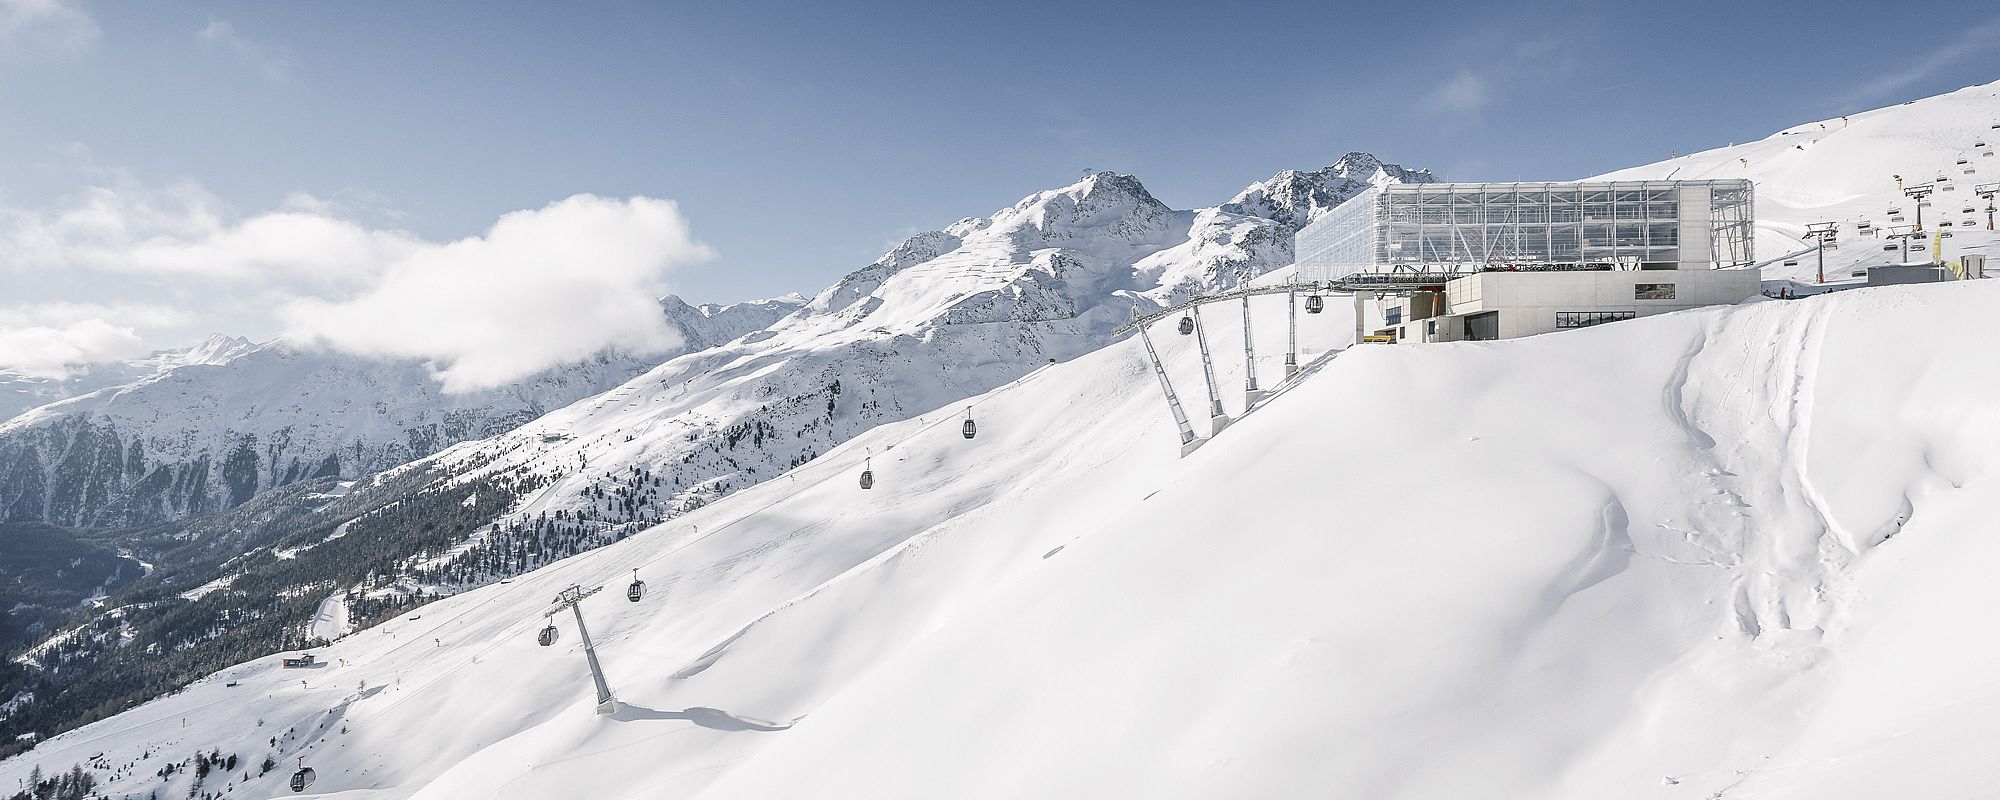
x=1291, y=370
x=1251, y=397
x=608, y=707
x=1191, y=446
x=1217, y=423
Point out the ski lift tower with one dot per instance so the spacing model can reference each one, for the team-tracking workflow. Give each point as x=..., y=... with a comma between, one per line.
x=568, y=599
x=1825, y=234
x=1917, y=194
x=1905, y=233
x=1986, y=191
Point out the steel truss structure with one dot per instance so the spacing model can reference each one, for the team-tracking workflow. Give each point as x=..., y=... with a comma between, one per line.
x=1480, y=226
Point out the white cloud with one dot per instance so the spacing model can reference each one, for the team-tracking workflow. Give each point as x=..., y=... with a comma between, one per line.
x=170, y=264
x=1508, y=65
x=183, y=231
x=1969, y=42
x=45, y=351
x=1464, y=94
x=538, y=289
x=69, y=313
x=36, y=29
x=271, y=61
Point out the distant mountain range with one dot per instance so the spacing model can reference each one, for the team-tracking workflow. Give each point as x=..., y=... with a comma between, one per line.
x=206, y=428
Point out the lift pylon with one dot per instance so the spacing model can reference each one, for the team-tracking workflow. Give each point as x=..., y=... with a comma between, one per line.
x=569, y=598
x=1188, y=440
x=1250, y=390
x=1216, y=419
x=1292, y=340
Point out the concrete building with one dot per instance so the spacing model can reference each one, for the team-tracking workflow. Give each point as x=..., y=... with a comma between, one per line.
x=1969, y=267
x=1502, y=260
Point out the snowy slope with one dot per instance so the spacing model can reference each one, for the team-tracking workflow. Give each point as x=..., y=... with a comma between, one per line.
x=19, y=392
x=1843, y=171
x=944, y=315
x=202, y=434
x=1734, y=549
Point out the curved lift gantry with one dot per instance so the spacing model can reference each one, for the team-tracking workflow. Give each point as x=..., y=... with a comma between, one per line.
x=1395, y=281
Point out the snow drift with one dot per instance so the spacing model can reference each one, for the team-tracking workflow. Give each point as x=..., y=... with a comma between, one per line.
x=1732, y=550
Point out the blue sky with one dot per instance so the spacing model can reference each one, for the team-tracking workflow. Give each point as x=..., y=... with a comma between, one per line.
x=801, y=139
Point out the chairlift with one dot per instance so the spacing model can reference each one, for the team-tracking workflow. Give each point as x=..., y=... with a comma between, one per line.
x=303, y=778
x=1315, y=304
x=637, y=589
x=1966, y=210
x=971, y=430
x=547, y=636
x=867, y=474
x=1944, y=234
x=1187, y=325
x=1962, y=161
x=1891, y=247
x=1791, y=263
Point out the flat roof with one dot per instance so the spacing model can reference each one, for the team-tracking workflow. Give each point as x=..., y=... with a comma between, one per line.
x=1545, y=185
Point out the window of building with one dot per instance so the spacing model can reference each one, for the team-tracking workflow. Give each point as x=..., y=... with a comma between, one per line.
x=1585, y=319
x=1653, y=291
x=1393, y=316
x=1483, y=327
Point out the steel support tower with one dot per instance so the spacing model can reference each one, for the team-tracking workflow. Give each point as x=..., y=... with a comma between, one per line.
x=1216, y=419
x=568, y=599
x=1250, y=390
x=1188, y=440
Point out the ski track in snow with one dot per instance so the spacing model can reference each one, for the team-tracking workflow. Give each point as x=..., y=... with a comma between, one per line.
x=1736, y=552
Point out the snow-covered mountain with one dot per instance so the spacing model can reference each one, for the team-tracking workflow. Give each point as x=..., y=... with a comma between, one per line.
x=1844, y=170
x=1733, y=550
x=210, y=427
x=20, y=392
x=944, y=315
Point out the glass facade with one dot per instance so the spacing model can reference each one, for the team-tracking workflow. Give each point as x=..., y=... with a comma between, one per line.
x=1585, y=319
x=1481, y=226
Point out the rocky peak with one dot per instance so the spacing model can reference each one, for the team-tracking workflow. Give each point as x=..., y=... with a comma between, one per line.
x=1105, y=203
x=1293, y=197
